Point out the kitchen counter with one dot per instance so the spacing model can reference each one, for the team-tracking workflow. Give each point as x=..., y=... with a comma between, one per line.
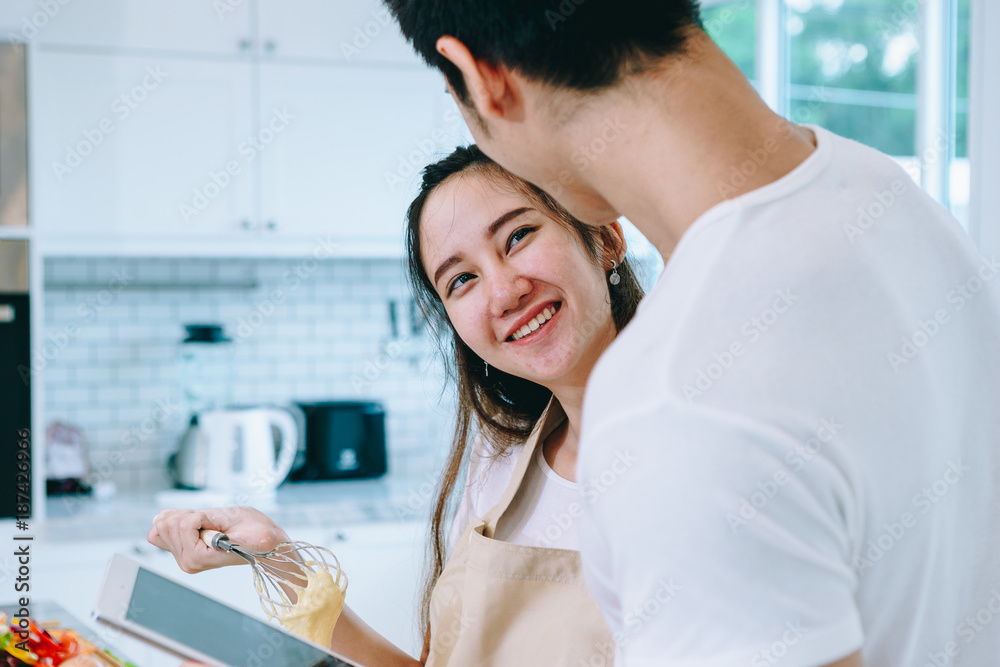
x=295, y=505
x=376, y=528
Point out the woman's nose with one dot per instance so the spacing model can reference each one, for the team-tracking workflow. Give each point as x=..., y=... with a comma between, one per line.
x=507, y=293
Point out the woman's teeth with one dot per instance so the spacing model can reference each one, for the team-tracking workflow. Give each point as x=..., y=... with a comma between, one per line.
x=535, y=322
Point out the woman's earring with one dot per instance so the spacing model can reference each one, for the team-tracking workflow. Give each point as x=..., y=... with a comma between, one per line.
x=487, y=366
x=614, y=278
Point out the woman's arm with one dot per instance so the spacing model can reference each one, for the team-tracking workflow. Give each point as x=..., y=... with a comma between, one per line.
x=357, y=641
x=177, y=531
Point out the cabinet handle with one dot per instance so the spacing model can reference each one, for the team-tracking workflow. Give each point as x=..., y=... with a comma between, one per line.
x=245, y=44
x=270, y=46
x=249, y=224
x=272, y=225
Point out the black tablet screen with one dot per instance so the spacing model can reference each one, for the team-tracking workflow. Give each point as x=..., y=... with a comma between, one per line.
x=187, y=617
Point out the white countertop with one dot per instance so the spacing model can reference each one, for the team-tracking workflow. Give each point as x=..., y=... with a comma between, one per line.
x=294, y=505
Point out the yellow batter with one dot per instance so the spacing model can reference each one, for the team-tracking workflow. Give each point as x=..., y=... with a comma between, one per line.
x=315, y=613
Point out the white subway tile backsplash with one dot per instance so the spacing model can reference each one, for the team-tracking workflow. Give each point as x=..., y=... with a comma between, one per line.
x=310, y=330
x=195, y=271
x=58, y=376
x=67, y=271
x=139, y=373
x=93, y=375
x=67, y=395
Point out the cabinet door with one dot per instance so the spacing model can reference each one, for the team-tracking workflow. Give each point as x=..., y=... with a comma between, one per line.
x=355, y=32
x=139, y=147
x=384, y=563
x=202, y=26
x=348, y=162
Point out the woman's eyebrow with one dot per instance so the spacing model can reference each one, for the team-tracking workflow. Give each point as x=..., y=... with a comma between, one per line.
x=490, y=233
x=503, y=220
x=448, y=263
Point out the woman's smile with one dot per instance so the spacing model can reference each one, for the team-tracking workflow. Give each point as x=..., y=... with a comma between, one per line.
x=536, y=325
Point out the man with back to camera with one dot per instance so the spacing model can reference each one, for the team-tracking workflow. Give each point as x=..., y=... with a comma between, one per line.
x=790, y=456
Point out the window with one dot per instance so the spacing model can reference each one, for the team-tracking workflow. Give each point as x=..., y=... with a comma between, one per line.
x=892, y=74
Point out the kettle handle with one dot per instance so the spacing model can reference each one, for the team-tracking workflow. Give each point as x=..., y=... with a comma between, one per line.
x=289, y=429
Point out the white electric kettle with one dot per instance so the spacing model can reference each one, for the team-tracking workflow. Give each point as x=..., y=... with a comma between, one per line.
x=237, y=450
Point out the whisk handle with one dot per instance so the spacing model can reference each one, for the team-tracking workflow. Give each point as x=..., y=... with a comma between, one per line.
x=215, y=540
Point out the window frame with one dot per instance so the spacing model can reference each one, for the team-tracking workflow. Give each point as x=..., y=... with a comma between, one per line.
x=984, y=135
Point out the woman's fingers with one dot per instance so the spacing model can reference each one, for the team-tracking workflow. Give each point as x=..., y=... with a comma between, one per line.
x=178, y=531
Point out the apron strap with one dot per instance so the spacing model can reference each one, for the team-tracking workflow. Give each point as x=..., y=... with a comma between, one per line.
x=551, y=418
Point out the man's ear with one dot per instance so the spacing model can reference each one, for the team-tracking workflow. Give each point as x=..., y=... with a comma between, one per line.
x=493, y=92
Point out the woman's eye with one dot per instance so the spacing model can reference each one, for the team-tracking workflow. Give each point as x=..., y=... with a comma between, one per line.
x=518, y=235
x=459, y=281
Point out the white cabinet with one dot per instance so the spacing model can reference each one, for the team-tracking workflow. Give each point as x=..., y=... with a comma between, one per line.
x=133, y=146
x=143, y=136
x=384, y=563
x=200, y=26
x=355, y=32
x=348, y=162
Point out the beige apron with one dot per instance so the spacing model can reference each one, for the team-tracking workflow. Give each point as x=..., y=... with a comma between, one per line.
x=508, y=605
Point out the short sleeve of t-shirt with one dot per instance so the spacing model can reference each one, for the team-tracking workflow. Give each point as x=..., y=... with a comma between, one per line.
x=740, y=562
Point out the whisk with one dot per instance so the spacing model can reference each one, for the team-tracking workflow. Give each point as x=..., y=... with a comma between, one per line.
x=280, y=570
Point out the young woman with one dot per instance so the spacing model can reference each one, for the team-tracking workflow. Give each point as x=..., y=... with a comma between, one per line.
x=524, y=299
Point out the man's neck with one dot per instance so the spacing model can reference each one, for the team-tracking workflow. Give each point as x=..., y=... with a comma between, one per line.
x=695, y=134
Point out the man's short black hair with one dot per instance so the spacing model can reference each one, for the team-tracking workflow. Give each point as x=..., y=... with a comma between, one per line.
x=586, y=45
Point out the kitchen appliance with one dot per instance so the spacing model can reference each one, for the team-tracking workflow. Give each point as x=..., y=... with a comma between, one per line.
x=206, y=368
x=240, y=450
x=343, y=440
x=16, y=376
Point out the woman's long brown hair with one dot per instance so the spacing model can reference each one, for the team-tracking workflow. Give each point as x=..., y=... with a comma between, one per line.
x=503, y=408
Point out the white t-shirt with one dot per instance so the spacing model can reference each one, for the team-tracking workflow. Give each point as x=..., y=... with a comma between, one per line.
x=544, y=513
x=793, y=451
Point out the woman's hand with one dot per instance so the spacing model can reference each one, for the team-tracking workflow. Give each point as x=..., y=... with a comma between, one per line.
x=177, y=531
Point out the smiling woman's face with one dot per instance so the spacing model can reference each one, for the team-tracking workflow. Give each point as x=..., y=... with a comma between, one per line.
x=518, y=286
